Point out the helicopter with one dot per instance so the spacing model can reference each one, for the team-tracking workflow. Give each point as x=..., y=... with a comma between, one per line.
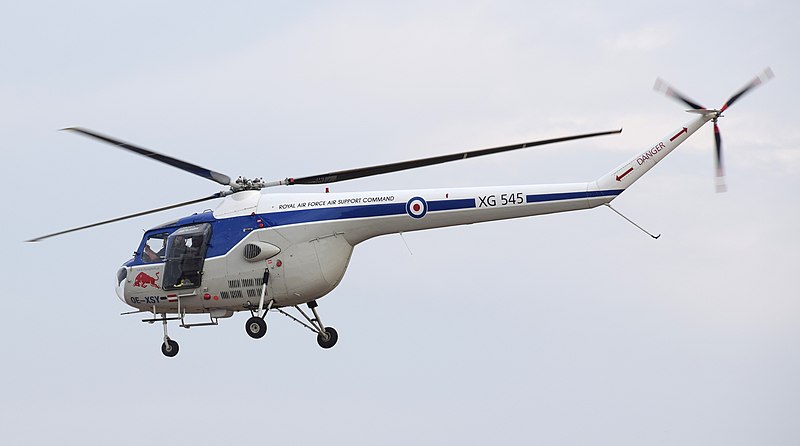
x=273, y=252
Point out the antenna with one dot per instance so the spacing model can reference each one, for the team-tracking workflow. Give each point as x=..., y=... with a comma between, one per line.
x=406, y=243
x=631, y=222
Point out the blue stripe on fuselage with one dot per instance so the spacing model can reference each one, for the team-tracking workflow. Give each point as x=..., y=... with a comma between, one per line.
x=336, y=213
x=451, y=205
x=227, y=232
x=538, y=198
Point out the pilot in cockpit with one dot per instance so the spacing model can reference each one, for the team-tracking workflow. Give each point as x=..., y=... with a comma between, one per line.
x=150, y=256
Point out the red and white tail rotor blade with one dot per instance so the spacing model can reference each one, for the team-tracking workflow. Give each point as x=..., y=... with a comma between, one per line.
x=766, y=75
x=720, y=170
x=669, y=91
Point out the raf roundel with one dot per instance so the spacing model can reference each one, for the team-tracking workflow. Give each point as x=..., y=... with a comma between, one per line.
x=417, y=207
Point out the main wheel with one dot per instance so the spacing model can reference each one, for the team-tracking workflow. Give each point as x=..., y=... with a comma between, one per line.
x=256, y=327
x=169, y=348
x=329, y=339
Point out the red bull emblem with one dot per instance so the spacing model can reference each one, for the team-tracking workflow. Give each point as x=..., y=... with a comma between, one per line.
x=144, y=279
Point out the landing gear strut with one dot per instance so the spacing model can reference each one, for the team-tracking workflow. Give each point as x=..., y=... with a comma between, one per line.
x=256, y=326
x=326, y=336
x=169, y=348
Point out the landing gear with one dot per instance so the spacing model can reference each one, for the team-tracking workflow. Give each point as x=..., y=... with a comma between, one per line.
x=329, y=339
x=326, y=336
x=256, y=327
x=169, y=348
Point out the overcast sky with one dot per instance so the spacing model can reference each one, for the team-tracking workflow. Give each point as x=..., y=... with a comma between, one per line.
x=567, y=329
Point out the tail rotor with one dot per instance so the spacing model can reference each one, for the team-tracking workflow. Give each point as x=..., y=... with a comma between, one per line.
x=669, y=91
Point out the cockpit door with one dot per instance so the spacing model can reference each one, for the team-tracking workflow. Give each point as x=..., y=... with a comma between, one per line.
x=186, y=251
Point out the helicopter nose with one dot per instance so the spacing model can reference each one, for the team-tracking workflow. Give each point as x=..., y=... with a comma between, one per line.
x=122, y=274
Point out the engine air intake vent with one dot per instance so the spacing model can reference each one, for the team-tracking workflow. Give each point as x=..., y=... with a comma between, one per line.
x=257, y=251
x=251, y=251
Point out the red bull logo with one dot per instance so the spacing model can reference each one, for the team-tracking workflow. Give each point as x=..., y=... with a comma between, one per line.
x=143, y=280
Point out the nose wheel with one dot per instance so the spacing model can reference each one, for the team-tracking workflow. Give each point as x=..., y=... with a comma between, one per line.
x=169, y=348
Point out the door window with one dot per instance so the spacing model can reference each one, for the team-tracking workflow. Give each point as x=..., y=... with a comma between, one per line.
x=186, y=250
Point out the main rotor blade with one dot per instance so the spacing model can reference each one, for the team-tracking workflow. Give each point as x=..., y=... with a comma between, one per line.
x=766, y=75
x=362, y=172
x=667, y=89
x=138, y=214
x=174, y=162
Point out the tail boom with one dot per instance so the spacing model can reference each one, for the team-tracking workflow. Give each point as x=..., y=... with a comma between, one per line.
x=627, y=174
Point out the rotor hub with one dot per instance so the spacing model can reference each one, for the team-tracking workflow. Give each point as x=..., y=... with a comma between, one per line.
x=243, y=183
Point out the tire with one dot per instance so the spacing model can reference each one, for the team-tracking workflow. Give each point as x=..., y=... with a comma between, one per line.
x=332, y=337
x=169, y=348
x=256, y=327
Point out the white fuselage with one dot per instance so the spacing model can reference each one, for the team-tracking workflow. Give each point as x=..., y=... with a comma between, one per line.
x=314, y=234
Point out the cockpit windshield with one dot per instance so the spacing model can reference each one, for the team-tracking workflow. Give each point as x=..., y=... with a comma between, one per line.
x=155, y=248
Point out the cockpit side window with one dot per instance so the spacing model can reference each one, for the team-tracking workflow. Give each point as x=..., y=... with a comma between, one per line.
x=155, y=248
